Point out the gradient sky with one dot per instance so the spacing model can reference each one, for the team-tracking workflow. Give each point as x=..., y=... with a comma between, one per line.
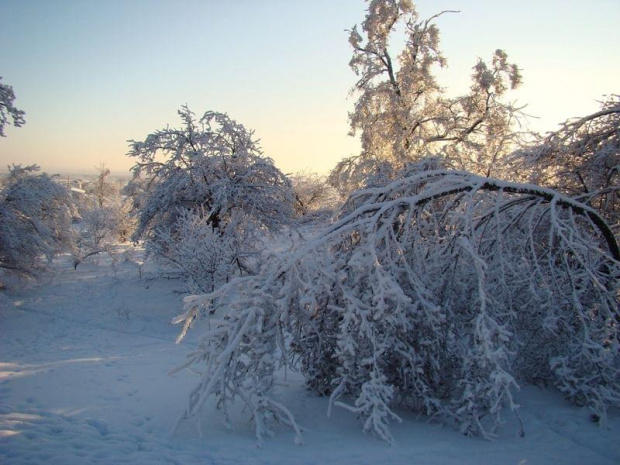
x=93, y=74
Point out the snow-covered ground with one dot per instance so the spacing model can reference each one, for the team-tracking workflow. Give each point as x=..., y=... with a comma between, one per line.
x=85, y=358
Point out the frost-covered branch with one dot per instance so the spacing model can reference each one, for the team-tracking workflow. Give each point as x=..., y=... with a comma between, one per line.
x=8, y=109
x=582, y=159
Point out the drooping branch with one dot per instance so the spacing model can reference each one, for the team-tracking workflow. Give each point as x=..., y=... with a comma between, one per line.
x=466, y=182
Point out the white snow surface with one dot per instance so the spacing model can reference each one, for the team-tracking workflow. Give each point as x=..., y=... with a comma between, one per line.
x=85, y=357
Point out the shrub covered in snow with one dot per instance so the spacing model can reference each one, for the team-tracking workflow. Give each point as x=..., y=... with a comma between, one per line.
x=104, y=218
x=35, y=219
x=440, y=292
x=205, y=255
x=208, y=174
x=314, y=196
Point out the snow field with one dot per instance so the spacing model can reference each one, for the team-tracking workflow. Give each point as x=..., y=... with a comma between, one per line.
x=85, y=358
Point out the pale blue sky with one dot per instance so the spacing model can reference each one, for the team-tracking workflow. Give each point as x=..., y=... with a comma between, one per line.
x=92, y=74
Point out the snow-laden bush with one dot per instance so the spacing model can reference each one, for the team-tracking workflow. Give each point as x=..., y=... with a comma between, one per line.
x=210, y=173
x=314, y=196
x=104, y=218
x=440, y=292
x=100, y=227
x=207, y=257
x=35, y=219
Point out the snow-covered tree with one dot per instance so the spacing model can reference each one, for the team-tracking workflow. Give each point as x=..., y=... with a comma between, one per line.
x=582, y=160
x=35, y=219
x=104, y=218
x=8, y=109
x=441, y=292
x=213, y=169
x=103, y=189
x=313, y=194
x=402, y=113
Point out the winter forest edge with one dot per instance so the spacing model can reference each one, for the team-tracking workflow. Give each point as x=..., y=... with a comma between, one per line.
x=454, y=260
